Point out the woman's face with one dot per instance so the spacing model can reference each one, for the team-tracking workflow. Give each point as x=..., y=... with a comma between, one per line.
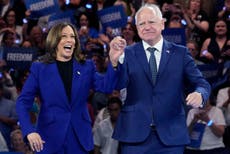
x=128, y=32
x=10, y=39
x=220, y=28
x=17, y=142
x=195, y=4
x=11, y=18
x=66, y=45
x=84, y=20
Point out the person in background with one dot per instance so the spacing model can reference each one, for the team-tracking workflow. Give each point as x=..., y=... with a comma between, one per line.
x=8, y=116
x=216, y=49
x=10, y=19
x=103, y=141
x=85, y=31
x=3, y=146
x=153, y=72
x=214, y=123
x=197, y=22
x=58, y=79
x=17, y=143
x=194, y=50
x=9, y=39
x=224, y=13
x=129, y=33
x=223, y=103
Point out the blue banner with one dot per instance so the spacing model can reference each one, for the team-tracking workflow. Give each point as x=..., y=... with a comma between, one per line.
x=176, y=35
x=18, y=57
x=40, y=8
x=61, y=16
x=114, y=17
x=197, y=134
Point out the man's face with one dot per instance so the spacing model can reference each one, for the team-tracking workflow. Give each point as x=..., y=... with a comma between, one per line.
x=114, y=110
x=149, y=26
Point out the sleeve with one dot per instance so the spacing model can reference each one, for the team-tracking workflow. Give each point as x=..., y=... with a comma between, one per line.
x=97, y=137
x=190, y=117
x=26, y=99
x=3, y=146
x=219, y=117
x=195, y=77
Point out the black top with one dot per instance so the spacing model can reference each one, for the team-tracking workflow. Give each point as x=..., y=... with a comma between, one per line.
x=66, y=72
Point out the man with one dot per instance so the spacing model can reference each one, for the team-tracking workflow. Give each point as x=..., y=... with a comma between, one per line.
x=153, y=119
x=103, y=141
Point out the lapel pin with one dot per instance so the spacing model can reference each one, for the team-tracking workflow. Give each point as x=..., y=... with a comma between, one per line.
x=78, y=72
x=167, y=51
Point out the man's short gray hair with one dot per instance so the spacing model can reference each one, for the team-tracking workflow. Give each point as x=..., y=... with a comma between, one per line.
x=153, y=7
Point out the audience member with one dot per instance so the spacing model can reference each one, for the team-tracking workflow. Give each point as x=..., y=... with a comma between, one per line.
x=3, y=146
x=217, y=48
x=194, y=50
x=9, y=39
x=225, y=13
x=206, y=126
x=103, y=141
x=18, y=144
x=10, y=19
x=8, y=116
x=129, y=33
x=225, y=106
x=37, y=39
x=86, y=31
x=197, y=21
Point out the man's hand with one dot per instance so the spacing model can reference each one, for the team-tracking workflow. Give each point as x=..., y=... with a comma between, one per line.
x=194, y=99
x=117, y=46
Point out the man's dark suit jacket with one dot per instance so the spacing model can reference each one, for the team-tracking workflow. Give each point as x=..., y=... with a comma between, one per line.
x=163, y=102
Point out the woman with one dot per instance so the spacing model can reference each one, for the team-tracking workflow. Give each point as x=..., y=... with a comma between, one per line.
x=217, y=48
x=129, y=33
x=10, y=19
x=85, y=31
x=211, y=120
x=197, y=21
x=62, y=80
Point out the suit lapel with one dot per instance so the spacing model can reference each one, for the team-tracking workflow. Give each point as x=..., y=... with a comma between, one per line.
x=165, y=56
x=75, y=81
x=58, y=83
x=142, y=59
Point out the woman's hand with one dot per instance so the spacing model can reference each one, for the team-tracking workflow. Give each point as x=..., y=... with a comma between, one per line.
x=36, y=143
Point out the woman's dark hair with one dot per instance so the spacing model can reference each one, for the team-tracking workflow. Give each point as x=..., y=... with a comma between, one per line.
x=7, y=13
x=54, y=37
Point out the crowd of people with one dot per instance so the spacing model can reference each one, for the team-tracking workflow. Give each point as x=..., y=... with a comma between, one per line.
x=116, y=115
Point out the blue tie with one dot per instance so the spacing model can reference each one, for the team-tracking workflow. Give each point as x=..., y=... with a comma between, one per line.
x=153, y=64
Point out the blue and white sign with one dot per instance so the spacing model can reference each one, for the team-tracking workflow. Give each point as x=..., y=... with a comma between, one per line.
x=114, y=17
x=61, y=16
x=40, y=8
x=19, y=58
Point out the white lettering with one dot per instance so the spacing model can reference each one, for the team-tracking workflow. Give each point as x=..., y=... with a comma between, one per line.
x=19, y=57
x=41, y=5
x=110, y=17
